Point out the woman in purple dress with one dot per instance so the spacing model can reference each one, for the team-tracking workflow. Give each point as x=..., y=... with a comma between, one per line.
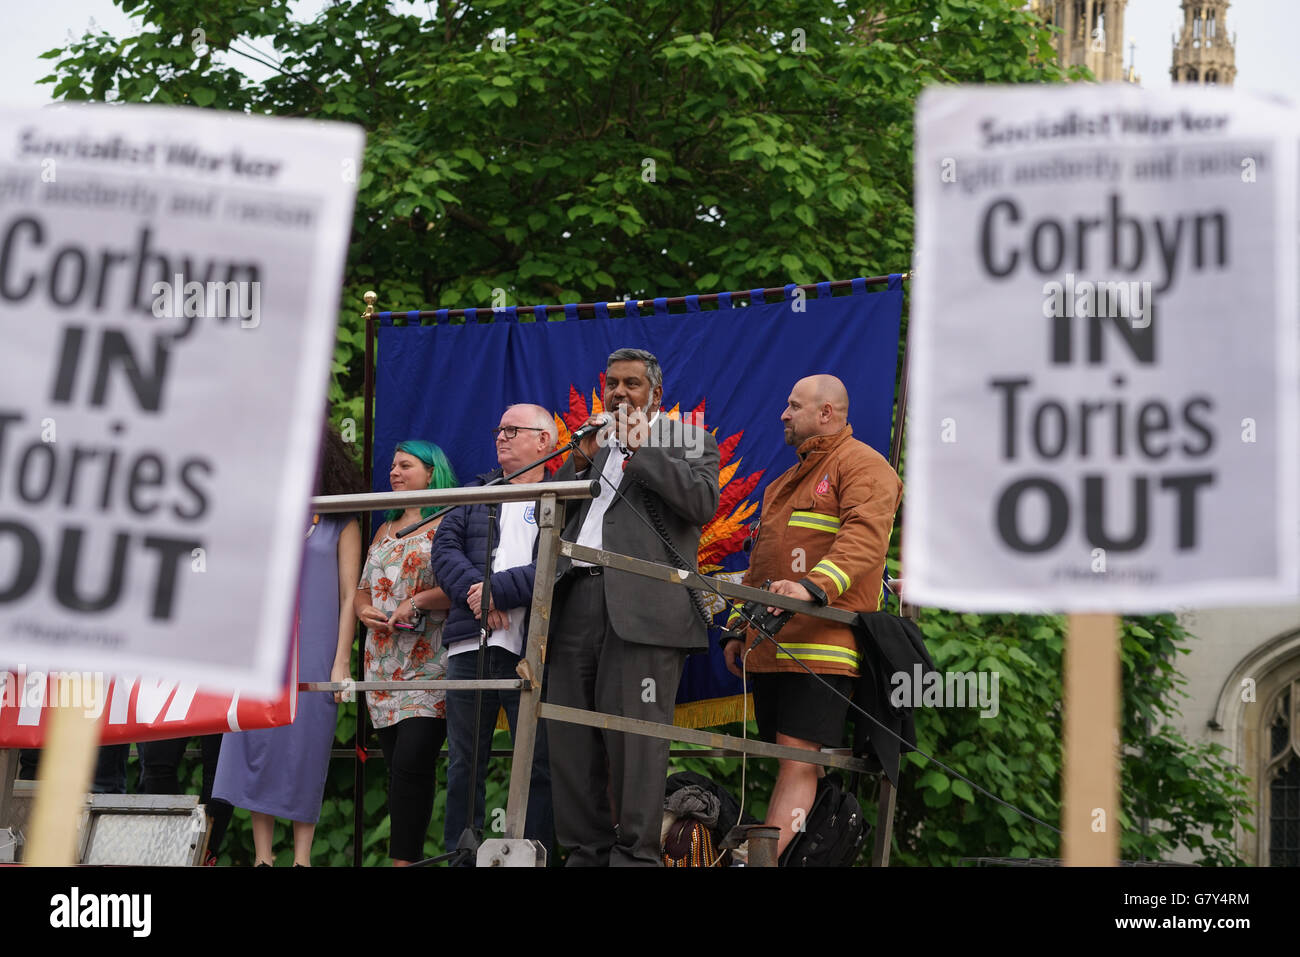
x=280, y=772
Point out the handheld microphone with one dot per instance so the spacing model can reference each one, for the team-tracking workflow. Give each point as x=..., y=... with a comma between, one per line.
x=602, y=420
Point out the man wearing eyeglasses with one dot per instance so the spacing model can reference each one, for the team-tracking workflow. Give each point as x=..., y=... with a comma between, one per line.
x=526, y=433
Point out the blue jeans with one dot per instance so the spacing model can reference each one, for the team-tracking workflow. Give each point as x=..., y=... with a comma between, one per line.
x=539, y=824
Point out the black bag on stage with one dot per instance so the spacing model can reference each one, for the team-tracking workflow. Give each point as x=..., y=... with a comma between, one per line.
x=833, y=832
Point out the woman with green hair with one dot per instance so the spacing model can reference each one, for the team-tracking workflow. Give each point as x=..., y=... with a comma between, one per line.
x=403, y=610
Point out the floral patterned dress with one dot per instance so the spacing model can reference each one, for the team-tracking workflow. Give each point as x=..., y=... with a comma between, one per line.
x=397, y=568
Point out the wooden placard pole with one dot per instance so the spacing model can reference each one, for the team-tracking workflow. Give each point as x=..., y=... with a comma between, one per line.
x=67, y=766
x=1090, y=803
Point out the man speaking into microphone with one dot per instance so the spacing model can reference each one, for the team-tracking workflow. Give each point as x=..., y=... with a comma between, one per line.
x=619, y=641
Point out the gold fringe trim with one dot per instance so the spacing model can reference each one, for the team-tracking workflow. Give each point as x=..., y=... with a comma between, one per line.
x=710, y=712
x=706, y=713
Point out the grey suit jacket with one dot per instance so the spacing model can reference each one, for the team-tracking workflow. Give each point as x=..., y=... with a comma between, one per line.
x=678, y=472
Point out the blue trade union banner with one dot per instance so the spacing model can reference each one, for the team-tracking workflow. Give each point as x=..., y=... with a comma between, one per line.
x=729, y=370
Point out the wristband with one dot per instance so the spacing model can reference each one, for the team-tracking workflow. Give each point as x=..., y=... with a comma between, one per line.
x=817, y=594
x=727, y=636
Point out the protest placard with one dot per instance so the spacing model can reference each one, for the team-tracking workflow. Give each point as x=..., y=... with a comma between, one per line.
x=169, y=288
x=1104, y=350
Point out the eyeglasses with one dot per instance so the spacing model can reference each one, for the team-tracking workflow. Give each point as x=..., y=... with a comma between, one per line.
x=510, y=431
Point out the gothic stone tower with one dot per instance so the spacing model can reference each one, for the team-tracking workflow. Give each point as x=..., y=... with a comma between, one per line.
x=1202, y=51
x=1091, y=34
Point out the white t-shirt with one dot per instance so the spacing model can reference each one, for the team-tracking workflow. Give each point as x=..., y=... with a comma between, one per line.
x=518, y=533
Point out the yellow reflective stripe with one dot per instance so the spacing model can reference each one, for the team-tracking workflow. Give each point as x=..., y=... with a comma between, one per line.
x=818, y=652
x=815, y=526
x=820, y=656
x=820, y=516
x=815, y=520
x=826, y=658
x=734, y=616
x=835, y=573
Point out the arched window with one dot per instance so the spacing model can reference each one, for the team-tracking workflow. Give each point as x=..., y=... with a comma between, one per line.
x=1192, y=75
x=1280, y=781
x=1265, y=743
x=1211, y=77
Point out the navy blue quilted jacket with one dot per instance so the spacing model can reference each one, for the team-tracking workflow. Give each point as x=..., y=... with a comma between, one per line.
x=458, y=556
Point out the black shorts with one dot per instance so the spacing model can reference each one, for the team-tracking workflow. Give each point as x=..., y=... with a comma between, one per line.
x=802, y=707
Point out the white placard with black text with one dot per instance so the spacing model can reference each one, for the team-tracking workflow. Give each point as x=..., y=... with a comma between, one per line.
x=169, y=287
x=1104, y=350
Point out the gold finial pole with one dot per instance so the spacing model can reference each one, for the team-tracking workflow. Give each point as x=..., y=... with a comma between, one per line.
x=370, y=296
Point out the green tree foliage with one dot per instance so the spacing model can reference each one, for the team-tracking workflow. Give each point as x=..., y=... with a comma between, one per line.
x=1172, y=792
x=558, y=150
x=561, y=149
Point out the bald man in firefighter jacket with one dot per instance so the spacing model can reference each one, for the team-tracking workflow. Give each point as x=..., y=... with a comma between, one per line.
x=824, y=533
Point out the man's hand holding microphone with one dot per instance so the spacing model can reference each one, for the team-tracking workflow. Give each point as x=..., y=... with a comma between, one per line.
x=626, y=425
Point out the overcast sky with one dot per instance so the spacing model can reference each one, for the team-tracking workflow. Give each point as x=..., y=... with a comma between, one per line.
x=1266, y=32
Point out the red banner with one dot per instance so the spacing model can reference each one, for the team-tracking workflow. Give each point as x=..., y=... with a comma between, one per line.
x=133, y=709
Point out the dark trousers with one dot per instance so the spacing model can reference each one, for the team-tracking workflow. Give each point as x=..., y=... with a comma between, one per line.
x=539, y=824
x=110, y=768
x=160, y=763
x=411, y=753
x=608, y=786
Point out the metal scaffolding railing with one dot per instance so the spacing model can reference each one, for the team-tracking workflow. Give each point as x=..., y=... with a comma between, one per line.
x=531, y=666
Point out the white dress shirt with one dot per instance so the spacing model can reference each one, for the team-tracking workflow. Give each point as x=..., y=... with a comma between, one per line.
x=591, y=533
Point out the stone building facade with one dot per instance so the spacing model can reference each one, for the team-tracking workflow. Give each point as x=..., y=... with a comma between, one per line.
x=1090, y=33
x=1203, y=53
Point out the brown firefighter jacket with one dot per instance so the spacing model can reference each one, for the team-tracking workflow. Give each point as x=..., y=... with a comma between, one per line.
x=827, y=521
